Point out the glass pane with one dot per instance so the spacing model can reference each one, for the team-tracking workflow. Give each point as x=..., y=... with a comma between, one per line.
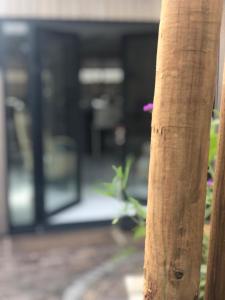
x=18, y=117
x=101, y=80
x=139, y=91
x=58, y=75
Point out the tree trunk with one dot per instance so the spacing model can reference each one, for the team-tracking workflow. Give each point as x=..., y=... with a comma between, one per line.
x=215, y=287
x=184, y=94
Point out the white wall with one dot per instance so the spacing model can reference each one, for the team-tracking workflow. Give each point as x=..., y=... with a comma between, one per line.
x=136, y=10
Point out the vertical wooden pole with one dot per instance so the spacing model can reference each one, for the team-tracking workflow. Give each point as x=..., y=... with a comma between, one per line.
x=184, y=94
x=222, y=55
x=215, y=286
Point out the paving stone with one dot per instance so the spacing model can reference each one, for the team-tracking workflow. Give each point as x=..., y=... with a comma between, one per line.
x=41, y=267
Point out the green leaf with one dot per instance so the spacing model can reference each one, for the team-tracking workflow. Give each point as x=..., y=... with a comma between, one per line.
x=213, y=140
x=115, y=221
x=139, y=232
x=118, y=171
x=128, y=165
x=139, y=209
x=109, y=189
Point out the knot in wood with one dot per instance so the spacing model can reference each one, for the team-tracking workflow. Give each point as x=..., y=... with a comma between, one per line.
x=178, y=274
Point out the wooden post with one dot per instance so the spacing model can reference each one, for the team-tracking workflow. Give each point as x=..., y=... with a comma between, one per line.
x=215, y=287
x=183, y=101
x=221, y=57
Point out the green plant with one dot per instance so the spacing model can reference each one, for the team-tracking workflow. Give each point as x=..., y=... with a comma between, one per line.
x=118, y=188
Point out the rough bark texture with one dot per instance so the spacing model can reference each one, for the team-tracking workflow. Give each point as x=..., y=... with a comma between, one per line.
x=215, y=287
x=184, y=95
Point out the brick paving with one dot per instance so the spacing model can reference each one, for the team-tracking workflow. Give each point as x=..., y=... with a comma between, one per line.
x=41, y=267
x=112, y=285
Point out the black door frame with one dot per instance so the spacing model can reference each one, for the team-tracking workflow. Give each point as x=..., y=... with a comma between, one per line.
x=36, y=115
x=2, y=67
x=37, y=105
x=31, y=90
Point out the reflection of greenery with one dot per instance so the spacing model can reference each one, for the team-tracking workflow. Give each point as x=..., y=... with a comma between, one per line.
x=118, y=188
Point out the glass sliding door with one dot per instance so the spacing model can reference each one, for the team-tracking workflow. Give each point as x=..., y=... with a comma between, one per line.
x=15, y=53
x=58, y=59
x=139, y=90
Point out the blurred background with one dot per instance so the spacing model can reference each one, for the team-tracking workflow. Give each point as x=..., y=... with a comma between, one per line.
x=74, y=78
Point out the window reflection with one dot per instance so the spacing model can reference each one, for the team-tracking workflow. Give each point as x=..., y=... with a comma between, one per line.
x=58, y=63
x=20, y=159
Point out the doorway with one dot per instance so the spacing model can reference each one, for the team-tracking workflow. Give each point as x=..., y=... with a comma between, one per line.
x=74, y=97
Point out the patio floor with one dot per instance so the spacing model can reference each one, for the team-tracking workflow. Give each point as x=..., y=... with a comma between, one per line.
x=45, y=266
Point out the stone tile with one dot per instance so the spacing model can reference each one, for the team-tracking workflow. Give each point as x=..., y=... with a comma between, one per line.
x=40, y=267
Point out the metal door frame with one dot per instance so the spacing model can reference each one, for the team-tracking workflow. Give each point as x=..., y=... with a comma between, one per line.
x=37, y=104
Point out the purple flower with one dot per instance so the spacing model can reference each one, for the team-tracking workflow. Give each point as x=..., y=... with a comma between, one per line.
x=210, y=182
x=148, y=107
